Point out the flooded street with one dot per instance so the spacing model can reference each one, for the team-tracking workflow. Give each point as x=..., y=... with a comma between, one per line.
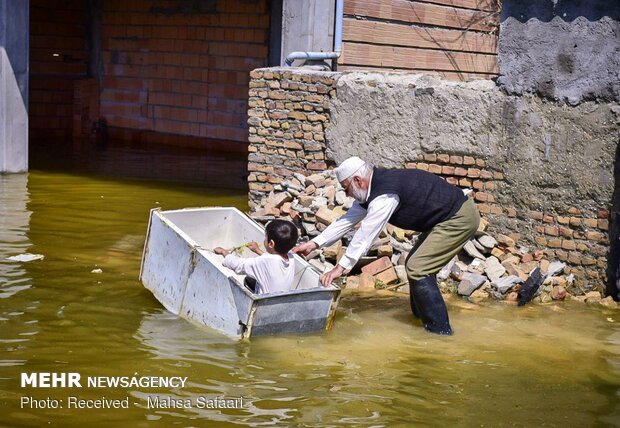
x=551, y=365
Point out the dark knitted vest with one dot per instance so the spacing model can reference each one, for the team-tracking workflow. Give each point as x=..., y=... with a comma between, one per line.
x=425, y=199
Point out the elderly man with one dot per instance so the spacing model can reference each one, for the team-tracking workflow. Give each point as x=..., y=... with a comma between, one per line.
x=410, y=199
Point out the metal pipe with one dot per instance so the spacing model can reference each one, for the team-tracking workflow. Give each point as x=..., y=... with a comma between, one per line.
x=338, y=30
x=291, y=57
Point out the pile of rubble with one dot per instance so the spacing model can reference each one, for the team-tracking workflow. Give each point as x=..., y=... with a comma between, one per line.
x=488, y=267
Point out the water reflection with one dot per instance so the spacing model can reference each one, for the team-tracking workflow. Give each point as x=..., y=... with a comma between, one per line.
x=164, y=163
x=14, y=227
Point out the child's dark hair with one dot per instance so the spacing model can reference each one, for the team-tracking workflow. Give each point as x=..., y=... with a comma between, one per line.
x=283, y=233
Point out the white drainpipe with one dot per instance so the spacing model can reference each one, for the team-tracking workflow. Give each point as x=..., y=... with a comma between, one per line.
x=323, y=55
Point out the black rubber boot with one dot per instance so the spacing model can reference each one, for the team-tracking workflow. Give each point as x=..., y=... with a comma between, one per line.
x=414, y=306
x=426, y=297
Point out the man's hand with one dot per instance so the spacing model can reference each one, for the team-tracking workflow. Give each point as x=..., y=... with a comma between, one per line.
x=305, y=248
x=328, y=277
x=220, y=251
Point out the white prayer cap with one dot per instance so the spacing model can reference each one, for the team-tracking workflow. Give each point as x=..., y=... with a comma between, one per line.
x=348, y=167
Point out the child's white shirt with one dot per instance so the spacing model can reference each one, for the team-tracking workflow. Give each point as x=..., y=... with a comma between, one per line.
x=271, y=271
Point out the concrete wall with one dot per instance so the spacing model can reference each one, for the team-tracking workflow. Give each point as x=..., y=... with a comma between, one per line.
x=13, y=86
x=307, y=25
x=553, y=156
x=561, y=49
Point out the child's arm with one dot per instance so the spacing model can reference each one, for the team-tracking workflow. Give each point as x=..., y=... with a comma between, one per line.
x=221, y=251
x=254, y=247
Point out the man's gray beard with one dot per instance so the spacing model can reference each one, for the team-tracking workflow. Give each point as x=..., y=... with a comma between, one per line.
x=358, y=194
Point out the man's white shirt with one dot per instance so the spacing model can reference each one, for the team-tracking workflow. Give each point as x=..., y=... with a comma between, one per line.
x=373, y=221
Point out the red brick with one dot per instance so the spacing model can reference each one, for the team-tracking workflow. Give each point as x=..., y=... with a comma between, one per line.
x=473, y=172
x=388, y=276
x=535, y=215
x=377, y=266
x=486, y=175
x=435, y=169
x=568, y=245
x=484, y=197
x=541, y=240
x=574, y=258
x=484, y=208
x=526, y=258
x=456, y=160
x=595, y=236
x=468, y=160
x=461, y=172
x=447, y=170
x=590, y=222
x=552, y=231
x=443, y=158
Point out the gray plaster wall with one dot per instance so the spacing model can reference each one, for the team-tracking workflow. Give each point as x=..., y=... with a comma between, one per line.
x=307, y=25
x=14, y=30
x=553, y=156
x=566, y=50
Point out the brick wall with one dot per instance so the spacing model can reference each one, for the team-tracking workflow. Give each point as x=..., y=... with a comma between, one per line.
x=289, y=113
x=170, y=68
x=181, y=67
x=58, y=58
x=575, y=237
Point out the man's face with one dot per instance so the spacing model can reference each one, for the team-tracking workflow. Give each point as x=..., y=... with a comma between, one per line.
x=353, y=188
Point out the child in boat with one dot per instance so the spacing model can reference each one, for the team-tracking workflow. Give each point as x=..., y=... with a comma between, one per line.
x=272, y=271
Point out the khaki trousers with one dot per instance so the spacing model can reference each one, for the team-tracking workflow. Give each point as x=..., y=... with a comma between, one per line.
x=435, y=249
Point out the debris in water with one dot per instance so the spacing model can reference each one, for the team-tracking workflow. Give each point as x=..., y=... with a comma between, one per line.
x=530, y=287
x=96, y=271
x=26, y=257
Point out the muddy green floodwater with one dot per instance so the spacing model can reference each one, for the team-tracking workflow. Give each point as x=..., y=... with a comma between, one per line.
x=553, y=365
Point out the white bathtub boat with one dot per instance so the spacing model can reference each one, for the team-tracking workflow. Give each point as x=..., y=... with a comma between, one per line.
x=181, y=270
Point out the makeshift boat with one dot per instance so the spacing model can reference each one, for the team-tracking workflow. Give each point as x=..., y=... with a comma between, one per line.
x=188, y=278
